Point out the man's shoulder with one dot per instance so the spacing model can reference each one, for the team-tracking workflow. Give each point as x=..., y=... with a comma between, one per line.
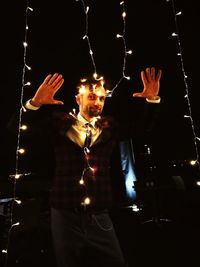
x=106, y=122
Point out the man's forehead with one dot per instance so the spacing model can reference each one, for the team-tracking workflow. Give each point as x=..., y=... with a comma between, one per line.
x=92, y=89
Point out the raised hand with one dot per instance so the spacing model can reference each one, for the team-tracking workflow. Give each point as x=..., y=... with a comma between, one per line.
x=151, y=83
x=45, y=93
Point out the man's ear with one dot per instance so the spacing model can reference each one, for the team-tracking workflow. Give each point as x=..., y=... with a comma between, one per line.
x=78, y=99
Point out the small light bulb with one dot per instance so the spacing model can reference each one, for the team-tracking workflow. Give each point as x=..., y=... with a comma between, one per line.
x=81, y=181
x=124, y=14
x=21, y=150
x=24, y=127
x=87, y=201
x=17, y=176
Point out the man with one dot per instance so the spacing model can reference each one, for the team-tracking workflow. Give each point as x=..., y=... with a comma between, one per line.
x=81, y=193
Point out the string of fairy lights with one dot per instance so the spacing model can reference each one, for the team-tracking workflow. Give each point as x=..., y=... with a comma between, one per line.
x=189, y=116
x=19, y=149
x=26, y=67
x=122, y=36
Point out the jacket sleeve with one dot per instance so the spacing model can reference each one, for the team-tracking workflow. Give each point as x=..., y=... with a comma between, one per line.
x=136, y=118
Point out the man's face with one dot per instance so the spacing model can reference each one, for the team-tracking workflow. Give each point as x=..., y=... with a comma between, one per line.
x=91, y=101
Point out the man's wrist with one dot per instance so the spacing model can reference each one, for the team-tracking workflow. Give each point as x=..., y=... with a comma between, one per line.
x=30, y=105
x=155, y=99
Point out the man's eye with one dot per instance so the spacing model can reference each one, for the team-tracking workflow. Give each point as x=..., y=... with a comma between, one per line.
x=92, y=97
x=102, y=99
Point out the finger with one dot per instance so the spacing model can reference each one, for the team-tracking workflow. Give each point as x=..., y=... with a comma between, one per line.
x=53, y=78
x=143, y=77
x=58, y=102
x=137, y=94
x=153, y=73
x=48, y=77
x=58, y=85
x=57, y=80
x=147, y=74
x=158, y=76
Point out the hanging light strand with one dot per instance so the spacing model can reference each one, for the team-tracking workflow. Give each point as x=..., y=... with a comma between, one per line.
x=87, y=38
x=126, y=52
x=180, y=55
x=19, y=150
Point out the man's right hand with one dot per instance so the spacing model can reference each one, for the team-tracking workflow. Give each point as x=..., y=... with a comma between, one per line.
x=45, y=93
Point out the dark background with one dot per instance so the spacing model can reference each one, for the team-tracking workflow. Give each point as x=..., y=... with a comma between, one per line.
x=55, y=44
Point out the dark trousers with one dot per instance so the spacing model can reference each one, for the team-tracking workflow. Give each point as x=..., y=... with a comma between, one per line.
x=84, y=238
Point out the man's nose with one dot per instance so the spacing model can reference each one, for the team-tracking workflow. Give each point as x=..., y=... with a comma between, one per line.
x=98, y=101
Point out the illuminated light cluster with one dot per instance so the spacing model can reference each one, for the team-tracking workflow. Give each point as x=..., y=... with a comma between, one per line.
x=186, y=96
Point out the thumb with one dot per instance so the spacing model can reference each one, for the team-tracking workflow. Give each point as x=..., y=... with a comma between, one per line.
x=137, y=95
x=58, y=102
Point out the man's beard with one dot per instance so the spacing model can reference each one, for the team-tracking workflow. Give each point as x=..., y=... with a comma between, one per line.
x=94, y=112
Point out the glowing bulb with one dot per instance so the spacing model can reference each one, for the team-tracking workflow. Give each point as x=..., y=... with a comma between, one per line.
x=30, y=8
x=21, y=150
x=174, y=34
x=119, y=35
x=25, y=44
x=16, y=224
x=108, y=93
x=198, y=183
x=92, y=169
x=28, y=67
x=95, y=75
x=87, y=9
x=179, y=13
x=24, y=127
x=28, y=83
x=86, y=150
x=87, y=201
x=81, y=181
x=124, y=14
x=18, y=201
x=193, y=162
x=130, y=52
x=17, y=176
